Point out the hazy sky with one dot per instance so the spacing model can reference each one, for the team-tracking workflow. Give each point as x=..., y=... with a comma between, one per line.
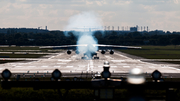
x=156, y=14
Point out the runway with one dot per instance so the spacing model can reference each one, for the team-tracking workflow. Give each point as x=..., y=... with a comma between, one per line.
x=74, y=64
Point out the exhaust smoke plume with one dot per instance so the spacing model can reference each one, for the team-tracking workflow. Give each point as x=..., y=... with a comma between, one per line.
x=84, y=24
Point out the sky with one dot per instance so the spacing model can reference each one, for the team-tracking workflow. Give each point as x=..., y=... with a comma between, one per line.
x=55, y=14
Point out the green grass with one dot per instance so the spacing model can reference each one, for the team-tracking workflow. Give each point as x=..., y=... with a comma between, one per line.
x=156, y=52
x=6, y=49
x=28, y=94
x=19, y=48
x=23, y=55
x=6, y=61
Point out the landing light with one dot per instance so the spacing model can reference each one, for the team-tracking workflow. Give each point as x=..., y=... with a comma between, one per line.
x=6, y=74
x=136, y=76
x=56, y=74
x=106, y=63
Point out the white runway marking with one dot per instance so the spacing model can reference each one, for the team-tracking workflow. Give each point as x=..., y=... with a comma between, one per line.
x=51, y=57
x=44, y=66
x=117, y=60
x=69, y=66
x=172, y=68
x=65, y=60
x=126, y=66
x=113, y=66
x=108, y=57
x=91, y=65
x=151, y=67
x=61, y=63
x=18, y=66
x=100, y=66
x=82, y=66
x=57, y=66
x=31, y=66
x=123, y=64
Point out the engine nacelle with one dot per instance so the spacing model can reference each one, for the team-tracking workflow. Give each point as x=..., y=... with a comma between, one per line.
x=77, y=52
x=68, y=52
x=111, y=52
x=103, y=52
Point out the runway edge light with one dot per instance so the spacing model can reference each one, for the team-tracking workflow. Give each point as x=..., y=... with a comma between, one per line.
x=56, y=74
x=106, y=74
x=156, y=75
x=6, y=74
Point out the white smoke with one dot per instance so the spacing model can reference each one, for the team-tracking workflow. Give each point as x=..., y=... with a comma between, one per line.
x=84, y=23
x=84, y=19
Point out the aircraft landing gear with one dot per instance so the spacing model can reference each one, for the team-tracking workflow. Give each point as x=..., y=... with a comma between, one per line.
x=84, y=58
x=96, y=57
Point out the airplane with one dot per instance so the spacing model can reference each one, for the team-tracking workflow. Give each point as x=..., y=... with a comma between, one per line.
x=88, y=50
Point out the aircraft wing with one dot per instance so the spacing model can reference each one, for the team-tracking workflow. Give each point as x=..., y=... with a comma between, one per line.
x=101, y=46
x=73, y=47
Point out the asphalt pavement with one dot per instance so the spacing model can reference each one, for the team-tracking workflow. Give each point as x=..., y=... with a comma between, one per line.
x=119, y=64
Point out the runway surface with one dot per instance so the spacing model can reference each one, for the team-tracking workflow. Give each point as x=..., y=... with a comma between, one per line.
x=74, y=64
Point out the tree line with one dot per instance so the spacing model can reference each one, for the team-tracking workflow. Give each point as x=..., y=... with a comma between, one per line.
x=55, y=38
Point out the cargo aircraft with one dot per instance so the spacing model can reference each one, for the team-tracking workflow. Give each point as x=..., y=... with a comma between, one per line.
x=89, y=52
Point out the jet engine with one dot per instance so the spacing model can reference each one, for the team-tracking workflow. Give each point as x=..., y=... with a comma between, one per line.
x=111, y=52
x=68, y=52
x=77, y=52
x=103, y=52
